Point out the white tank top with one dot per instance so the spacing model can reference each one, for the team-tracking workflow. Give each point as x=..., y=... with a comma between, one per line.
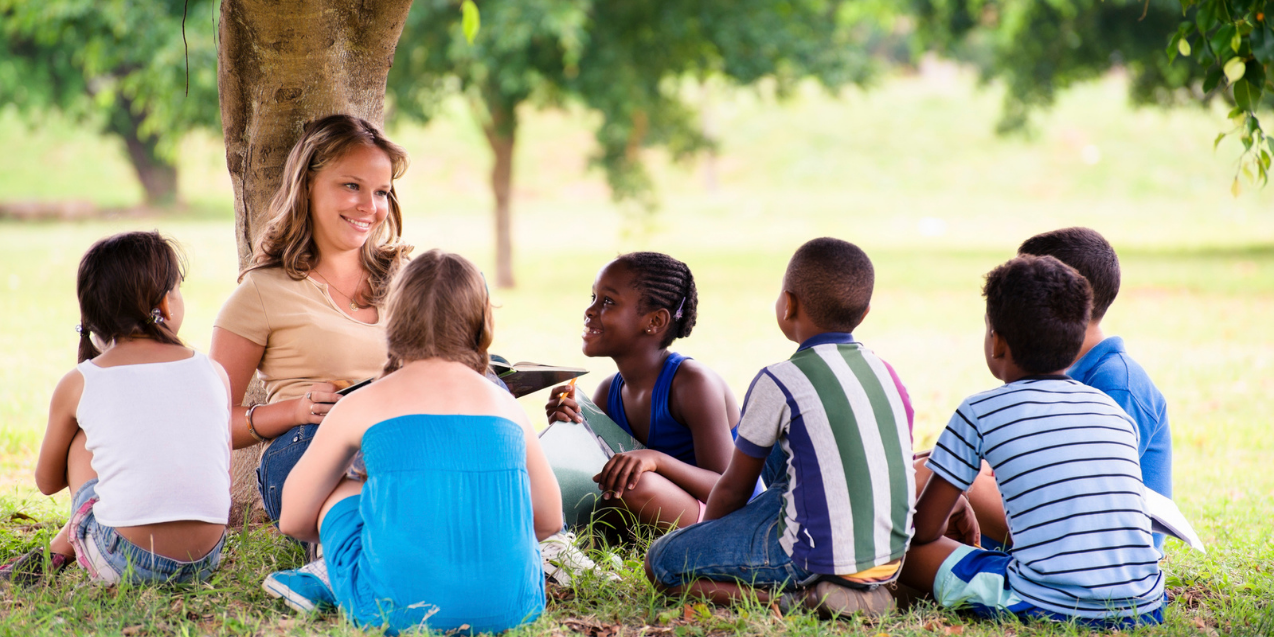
x=160, y=437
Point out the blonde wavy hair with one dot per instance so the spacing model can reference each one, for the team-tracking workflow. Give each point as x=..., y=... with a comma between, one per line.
x=439, y=307
x=288, y=239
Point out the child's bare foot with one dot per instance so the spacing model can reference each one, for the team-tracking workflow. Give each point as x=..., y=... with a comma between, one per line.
x=30, y=568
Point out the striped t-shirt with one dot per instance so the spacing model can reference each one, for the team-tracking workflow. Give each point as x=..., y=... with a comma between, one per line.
x=843, y=420
x=1065, y=459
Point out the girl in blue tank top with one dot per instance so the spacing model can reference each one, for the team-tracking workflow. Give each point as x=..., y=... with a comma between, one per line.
x=444, y=533
x=682, y=411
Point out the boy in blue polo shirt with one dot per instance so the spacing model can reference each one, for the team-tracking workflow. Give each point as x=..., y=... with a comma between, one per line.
x=830, y=428
x=1064, y=457
x=1103, y=362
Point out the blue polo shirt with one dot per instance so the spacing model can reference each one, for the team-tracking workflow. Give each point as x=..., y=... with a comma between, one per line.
x=1108, y=367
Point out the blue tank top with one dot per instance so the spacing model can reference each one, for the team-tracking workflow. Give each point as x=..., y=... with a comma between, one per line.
x=449, y=532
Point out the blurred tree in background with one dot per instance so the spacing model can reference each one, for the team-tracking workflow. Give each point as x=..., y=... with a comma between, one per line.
x=625, y=61
x=119, y=65
x=1175, y=51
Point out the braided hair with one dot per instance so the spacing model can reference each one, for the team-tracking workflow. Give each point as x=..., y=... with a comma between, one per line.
x=665, y=283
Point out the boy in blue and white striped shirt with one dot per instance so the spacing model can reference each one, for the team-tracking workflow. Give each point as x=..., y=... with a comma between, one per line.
x=1065, y=461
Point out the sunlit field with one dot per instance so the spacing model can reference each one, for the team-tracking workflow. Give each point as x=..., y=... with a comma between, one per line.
x=909, y=169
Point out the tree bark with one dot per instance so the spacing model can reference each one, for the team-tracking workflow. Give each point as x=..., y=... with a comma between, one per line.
x=281, y=64
x=501, y=132
x=157, y=175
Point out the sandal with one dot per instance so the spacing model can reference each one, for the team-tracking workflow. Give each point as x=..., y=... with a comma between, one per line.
x=29, y=568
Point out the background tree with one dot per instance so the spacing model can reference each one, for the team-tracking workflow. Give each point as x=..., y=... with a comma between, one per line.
x=119, y=65
x=1037, y=47
x=623, y=60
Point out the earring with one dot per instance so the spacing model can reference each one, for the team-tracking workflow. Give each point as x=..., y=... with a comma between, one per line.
x=156, y=317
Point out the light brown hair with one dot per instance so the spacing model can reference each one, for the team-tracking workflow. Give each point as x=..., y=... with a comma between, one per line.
x=439, y=307
x=288, y=239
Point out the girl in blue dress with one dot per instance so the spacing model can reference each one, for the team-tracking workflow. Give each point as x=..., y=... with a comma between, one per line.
x=679, y=409
x=444, y=533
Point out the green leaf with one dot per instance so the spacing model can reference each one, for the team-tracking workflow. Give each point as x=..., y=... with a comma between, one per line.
x=1246, y=95
x=1234, y=69
x=1236, y=41
x=1183, y=45
x=1217, y=142
x=1213, y=78
x=470, y=22
x=1220, y=40
x=1262, y=41
x=1206, y=17
x=1235, y=189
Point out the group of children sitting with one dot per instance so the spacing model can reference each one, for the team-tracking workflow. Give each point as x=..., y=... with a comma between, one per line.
x=808, y=496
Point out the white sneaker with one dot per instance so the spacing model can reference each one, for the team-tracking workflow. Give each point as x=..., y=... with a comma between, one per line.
x=562, y=560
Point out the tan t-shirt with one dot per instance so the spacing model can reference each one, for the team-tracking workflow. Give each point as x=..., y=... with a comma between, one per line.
x=307, y=338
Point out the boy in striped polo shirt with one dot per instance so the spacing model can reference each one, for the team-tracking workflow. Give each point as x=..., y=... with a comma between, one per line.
x=1065, y=461
x=830, y=431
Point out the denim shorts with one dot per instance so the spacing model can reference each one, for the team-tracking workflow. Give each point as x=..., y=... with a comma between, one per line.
x=277, y=462
x=109, y=558
x=741, y=547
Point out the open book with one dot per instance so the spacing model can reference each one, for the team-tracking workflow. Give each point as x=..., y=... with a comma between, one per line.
x=1166, y=518
x=527, y=378
x=578, y=451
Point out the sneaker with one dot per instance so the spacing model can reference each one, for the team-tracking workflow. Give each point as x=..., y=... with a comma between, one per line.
x=306, y=589
x=832, y=601
x=562, y=560
x=28, y=569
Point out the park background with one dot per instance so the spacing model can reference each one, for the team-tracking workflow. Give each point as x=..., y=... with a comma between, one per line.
x=909, y=167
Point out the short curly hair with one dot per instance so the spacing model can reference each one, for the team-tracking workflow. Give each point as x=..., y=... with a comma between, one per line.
x=1088, y=252
x=833, y=279
x=1041, y=307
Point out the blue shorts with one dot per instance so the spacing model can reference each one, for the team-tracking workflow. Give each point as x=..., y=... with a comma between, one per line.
x=277, y=462
x=110, y=558
x=741, y=547
x=976, y=579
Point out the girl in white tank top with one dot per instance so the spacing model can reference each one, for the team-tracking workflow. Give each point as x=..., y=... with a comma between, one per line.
x=139, y=432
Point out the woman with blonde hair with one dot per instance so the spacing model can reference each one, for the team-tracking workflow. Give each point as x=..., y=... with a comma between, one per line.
x=444, y=532
x=306, y=316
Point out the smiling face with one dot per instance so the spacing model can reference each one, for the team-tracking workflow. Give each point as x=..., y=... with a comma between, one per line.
x=349, y=199
x=613, y=322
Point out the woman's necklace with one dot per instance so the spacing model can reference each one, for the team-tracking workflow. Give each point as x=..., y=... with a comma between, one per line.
x=352, y=305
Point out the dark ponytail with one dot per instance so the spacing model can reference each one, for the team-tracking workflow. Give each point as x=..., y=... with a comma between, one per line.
x=121, y=281
x=665, y=283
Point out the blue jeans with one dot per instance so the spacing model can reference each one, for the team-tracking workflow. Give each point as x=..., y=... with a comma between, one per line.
x=277, y=462
x=110, y=558
x=741, y=547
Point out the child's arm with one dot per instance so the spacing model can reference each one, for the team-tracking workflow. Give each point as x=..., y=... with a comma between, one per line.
x=735, y=486
x=50, y=469
x=546, y=495
x=701, y=401
x=318, y=473
x=940, y=504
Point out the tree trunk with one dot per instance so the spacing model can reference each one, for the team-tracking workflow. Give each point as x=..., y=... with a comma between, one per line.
x=501, y=132
x=281, y=64
x=157, y=175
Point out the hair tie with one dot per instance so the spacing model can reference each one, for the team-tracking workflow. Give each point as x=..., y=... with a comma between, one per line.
x=156, y=316
x=80, y=329
x=676, y=316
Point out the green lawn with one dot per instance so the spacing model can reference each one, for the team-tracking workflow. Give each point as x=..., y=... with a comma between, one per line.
x=910, y=170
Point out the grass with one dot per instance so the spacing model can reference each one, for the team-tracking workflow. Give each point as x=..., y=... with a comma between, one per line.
x=910, y=170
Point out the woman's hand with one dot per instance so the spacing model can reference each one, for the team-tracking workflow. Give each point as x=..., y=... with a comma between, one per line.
x=623, y=471
x=562, y=406
x=311, y=408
